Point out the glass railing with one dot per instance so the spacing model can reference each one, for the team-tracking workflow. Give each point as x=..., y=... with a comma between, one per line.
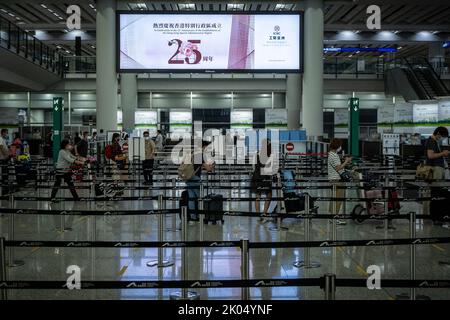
x=337, y=67
x=355, y=66
x=24, y=44
x=440, y=65
x=84, y=64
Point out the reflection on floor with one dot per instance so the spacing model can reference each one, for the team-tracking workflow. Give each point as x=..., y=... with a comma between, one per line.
x=218, y=263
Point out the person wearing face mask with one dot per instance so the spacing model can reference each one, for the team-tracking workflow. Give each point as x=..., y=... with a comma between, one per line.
x=335, y=168
x=147, y=164
x=63, y=169
x=434, y=153
x=4, y=159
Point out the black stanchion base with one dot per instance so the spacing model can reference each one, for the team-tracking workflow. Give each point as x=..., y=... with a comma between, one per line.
x=16, y=263
x=191, y=295
x=275, y=228
x=164, y=264
x=405, y=296
x=444, y=263
x=173, y=230
x=390, y=227
x=302, y=264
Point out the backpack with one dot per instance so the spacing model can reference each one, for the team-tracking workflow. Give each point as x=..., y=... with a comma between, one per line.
x=108, y=152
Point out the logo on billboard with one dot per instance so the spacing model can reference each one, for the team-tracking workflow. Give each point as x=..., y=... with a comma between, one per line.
x=277, y=34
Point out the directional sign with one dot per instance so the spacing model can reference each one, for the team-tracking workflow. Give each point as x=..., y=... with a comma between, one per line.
x=353, y=104
x=58, y=123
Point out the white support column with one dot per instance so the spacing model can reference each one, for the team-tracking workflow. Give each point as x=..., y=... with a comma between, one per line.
x=69, y=104
x=312, y=101
x=128, y=99
x=106, y=65
x=293, y=100
x=28, y=108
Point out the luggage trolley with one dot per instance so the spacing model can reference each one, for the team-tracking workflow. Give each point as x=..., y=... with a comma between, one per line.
x=371, y=193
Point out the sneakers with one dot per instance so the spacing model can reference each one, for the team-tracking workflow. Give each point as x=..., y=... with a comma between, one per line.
x=339, y=222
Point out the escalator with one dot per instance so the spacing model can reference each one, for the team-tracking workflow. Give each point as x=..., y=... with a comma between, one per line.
x=414, y=80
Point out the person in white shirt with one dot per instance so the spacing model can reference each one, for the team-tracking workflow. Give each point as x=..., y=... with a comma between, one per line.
x=148, y=162
x=4, y=159
x=63, y=169
x=159, y=140
x=335, y=168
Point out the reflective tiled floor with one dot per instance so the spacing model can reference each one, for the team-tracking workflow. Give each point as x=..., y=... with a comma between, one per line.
x=218, y=263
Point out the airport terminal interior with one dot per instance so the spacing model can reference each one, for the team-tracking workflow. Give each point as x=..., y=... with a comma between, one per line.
x=224, y=150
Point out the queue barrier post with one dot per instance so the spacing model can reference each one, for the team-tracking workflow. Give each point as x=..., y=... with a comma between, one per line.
x=278, y=226
x=307, y=263
x=412, y=264
x=11, y=262
x=330, y=286
x=173, y=227
x=3, y=292
x=201, y=207
x=245, y=268
x=161, y=262
x=184, y=294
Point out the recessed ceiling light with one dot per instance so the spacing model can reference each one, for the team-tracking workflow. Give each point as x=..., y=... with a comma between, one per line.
x=43, y=6
x=399, y=48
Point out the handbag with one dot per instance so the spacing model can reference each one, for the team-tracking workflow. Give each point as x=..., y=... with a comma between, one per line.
x=345, y=175
x=424, y=172
x=186, y=170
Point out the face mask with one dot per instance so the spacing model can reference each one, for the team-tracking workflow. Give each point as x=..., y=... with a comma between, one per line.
x=146, y=138
x=339, y=149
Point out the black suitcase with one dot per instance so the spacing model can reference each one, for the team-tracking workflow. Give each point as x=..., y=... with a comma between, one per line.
x=295, y=203
x=184, y=202
x=213, y=203
x=439, y=204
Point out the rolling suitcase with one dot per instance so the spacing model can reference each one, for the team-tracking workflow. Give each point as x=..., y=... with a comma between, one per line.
x=213, y=203
x=184, y=202
x=293, y=201
x=439, y=204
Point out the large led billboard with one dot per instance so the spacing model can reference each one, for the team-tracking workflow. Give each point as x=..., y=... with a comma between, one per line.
x=202, y=42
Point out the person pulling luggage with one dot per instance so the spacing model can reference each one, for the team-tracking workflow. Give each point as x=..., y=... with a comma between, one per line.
x=63, y=169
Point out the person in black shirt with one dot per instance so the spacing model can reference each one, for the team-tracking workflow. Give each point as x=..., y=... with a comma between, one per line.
x=76, y=139
x=81, y=148
x=193, y=184
x=434, y=153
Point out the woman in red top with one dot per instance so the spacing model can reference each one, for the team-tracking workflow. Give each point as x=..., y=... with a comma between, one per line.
x=16, y=144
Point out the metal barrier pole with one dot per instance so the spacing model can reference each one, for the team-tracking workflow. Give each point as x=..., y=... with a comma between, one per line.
x=11, y=262
x=184, y=294
x=306, y=263
x=3, y=292
x=245, y=268
x=412, y=248
x=334, y=230
x=278, y=226
x=202, y=215
x=330, y=286
x=161, y=262
x=174, y=205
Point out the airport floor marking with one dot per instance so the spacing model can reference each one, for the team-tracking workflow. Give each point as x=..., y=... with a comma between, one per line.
x=359, y=268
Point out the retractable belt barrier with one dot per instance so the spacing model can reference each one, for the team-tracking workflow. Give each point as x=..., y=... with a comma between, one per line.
x=299, y=215
x=199, y=284
x=246, y=199
x=227, y=244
